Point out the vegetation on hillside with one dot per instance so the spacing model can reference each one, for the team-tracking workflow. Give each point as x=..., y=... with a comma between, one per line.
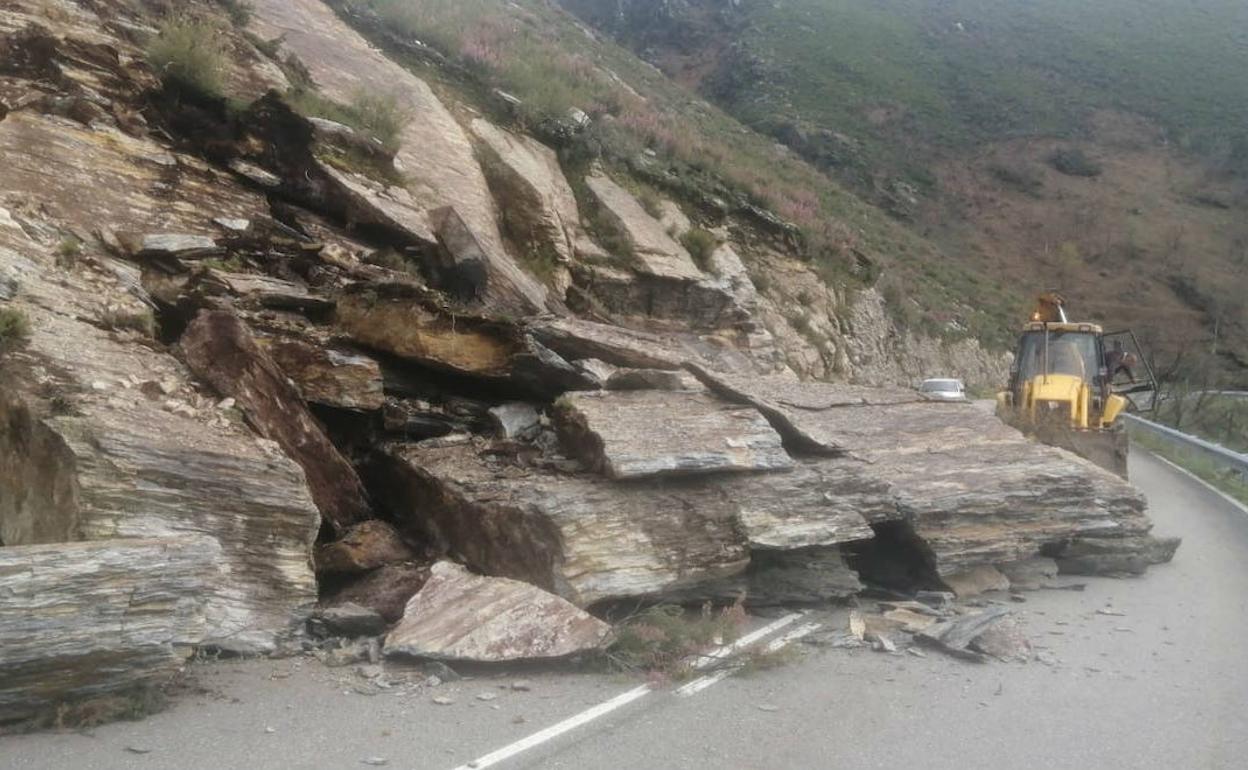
x=552, y=64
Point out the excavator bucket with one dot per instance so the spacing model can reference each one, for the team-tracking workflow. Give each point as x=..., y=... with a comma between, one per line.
x=1107, y=448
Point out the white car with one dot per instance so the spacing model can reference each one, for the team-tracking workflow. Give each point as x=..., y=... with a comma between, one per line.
x=944, y=389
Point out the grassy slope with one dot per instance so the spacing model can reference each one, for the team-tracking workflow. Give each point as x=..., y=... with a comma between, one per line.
x=978, y=69
x=946, y=92
x=541, y=54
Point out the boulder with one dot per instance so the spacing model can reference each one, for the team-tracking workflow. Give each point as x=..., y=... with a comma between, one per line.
x=107, y=438
x=328, y=374
x=1029, y=574
x=434, y=153
x=462, y=268
x=654, y=252
x=459, y=616
x=976, y=581
x=658, y=302
x=635, y=434
x=346, y=619
x=515, y=420
x=972, y=490
x=410, y=322
x=365, y=546
x=253, y=290
x=572, y=534
x=1093, y=555
x=219, y=348
x=385, y=590
x=142, y=246
x=98, y=621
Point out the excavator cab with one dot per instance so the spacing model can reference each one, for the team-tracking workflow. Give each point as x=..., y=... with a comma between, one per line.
x=1062, y=385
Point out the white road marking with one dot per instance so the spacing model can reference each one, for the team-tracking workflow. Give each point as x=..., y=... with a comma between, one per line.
x=619, y=701
x=703, y=682
x=1202, y=482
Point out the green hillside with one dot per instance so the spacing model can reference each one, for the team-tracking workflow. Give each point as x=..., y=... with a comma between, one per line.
x=1099, y=148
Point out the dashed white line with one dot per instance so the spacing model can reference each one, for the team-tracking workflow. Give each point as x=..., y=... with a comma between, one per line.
x=621, y=700
x=703, y=682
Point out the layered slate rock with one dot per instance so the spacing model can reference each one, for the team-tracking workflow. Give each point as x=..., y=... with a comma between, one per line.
x=973, y=490
x=538, y=208
x=81, y=621
x=328, y=374
x=108, y=438
x=435, y=155
x=794, y=407
x=654, y=251
x=409, y=321
x=459, y=616
x=384, y=590
x=635, y=434
x=221, y=350
x=572, y=534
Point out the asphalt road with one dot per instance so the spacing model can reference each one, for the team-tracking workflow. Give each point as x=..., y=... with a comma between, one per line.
x=1164, y=685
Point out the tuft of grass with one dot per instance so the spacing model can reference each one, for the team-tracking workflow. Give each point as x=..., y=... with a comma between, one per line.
x=379, y=116
x=142, y=320
x=1018, y=176
x=239, y=11
x=1075, y=162
x=14, y=329
x=391, y=260
x=665, y=639
x=700, y=244
x=68, y=251
x=189, y=54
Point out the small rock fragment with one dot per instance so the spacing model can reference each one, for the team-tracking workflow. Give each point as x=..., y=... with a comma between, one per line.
x=1111, y=611
x=487, y=696
x=443, y=700
x=376, y=761
x=135, y=749
x=522, y=685
x=767, y=707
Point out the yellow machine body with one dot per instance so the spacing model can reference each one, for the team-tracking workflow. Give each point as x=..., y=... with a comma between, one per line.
x=1059, y=389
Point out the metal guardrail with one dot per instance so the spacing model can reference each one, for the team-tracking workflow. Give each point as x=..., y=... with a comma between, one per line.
x=1190, y=445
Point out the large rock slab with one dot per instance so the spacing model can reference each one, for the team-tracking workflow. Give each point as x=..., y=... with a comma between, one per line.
x=220, y=349
x=106, y=619
x=459, y=616
x=538, y=208
x=408, y=321
x=435, y=155
x=328, y=374
x=588, y=540
x=107, y=437
x=654, y=251
x=635, y=434
x=973, y=490
x=574, y=535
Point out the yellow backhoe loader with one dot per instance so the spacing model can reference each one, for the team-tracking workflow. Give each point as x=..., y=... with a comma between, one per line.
x=1067, y=388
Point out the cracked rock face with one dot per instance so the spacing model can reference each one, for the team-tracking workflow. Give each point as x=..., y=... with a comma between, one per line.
x=459, y=616
x=435, y=153
x=618, y=433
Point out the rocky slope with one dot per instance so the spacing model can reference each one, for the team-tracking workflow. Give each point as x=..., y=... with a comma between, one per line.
x=295, y=361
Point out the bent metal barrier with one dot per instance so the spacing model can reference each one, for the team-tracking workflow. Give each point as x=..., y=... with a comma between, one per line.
x=1190, y=446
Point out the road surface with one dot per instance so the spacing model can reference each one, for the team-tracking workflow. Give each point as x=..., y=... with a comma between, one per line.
x=1163, y=686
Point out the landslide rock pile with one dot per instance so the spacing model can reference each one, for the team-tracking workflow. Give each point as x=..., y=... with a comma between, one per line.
x=250, y=379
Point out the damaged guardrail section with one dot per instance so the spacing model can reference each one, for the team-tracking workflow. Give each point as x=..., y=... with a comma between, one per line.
x=1223, y=459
